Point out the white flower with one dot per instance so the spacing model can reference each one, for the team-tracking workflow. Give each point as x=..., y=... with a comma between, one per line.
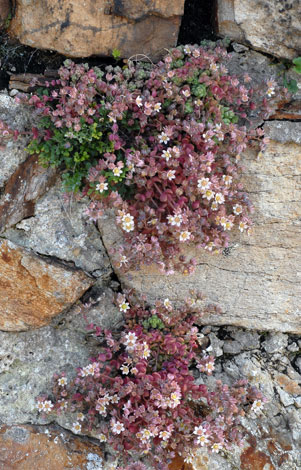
x=216, y=447
x=170, y=175
x=204, y=184
x=48, y=405
x=228, y=225
x=76, y=427
x=128, y=222
x=209, y=366
x=219, y=198
x=165, y=435
x=208, y=194
x=202, y=440
x=125, y=369
x=186, y=93
x=63, y=404
x=114, y=398
x=130, y=338
x=242, y=226
x=40, y=406
x=163, y=138
x=101, y=187
x=157, y=107
x=214, y=206
x=237, y=209
x=62, y=381
x=166, y=154
x=102, y=437
x=128, y=227
x=227, y=179
x=127, y=218
x=167, y=303
x=139, y=101
x=257, y=406
x=175, y=219
x=146, y=351
x=199, y=431
x=117, y=427
x=124, y=306
x=213, y=67
x=187, y=50
x=80, y=416
x=117, y=171
x=145, y=434
x=184, y=236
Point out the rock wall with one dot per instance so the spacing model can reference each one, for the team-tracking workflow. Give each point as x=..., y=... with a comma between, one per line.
x=50, y=256
x=270, y=26
x=83, y=28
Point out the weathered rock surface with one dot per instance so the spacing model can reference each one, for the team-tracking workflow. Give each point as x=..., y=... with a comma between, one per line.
x=17, y=117
x=24, y=187
x=46, y=448
x=29, y=359
x=32, y=291
x=59, y=229
x=274, y=434
x=4, y=11
x=271, y=26
x=256, y=280
x=132, y=27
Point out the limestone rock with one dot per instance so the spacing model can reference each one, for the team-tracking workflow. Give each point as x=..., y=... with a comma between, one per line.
x=256, y=281
x=32, y=291
x=46, y=448
x=17, y=117
x=271, y=26
x=29, y=359
x=58, y=228
x=87, y=27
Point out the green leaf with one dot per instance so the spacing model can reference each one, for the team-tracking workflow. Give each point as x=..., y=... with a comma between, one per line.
x=297, y=63
x=116, y=54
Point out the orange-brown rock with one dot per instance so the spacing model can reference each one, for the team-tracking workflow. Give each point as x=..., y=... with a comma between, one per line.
x=80, y=28
x=32, y=291
x=33, y=448
x=289, y=385
x=252, y=459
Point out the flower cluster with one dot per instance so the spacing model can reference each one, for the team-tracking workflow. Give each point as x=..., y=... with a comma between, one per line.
x=140, y=394
x=161, y=144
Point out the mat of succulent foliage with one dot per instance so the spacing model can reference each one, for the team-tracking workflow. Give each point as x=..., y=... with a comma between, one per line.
x=140, y=395
x=161, y=144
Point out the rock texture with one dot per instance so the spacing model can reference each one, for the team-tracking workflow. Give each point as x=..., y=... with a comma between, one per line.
x=257, y=280
x=4, y=11
x=24, y=187
x=133, y=27
x=46, y=448
x=17, y=117
x=32, y=291
x=271, y=26
x=62, y=232
x=29, y=359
